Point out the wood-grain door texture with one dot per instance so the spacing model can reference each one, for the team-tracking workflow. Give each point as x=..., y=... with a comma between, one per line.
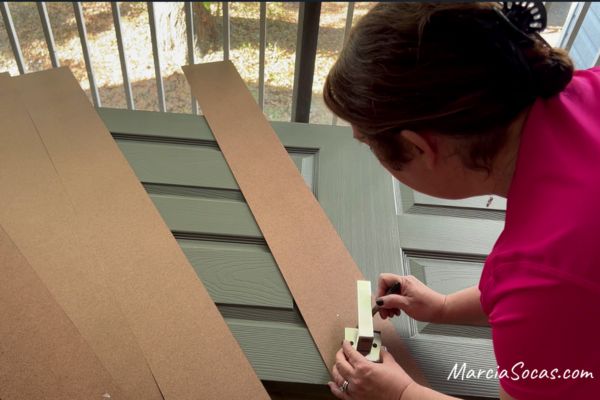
x=386, y=226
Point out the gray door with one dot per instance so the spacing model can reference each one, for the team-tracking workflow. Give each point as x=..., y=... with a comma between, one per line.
x=386, y=227
x=444, y=243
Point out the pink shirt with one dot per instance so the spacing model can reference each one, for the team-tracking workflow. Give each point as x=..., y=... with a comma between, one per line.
x=540, y=286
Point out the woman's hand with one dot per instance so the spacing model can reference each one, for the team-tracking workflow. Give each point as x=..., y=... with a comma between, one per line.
x=366, y=379
x=415, y=299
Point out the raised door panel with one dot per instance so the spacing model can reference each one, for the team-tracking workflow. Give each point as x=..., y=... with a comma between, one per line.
x=444, y=244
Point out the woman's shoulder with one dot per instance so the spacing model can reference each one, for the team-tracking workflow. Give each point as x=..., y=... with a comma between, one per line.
x=593, y=73
x=584, y=87
x=552, y=209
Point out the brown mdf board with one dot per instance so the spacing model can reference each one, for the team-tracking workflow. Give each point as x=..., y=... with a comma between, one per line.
x=188, y=346
x=36, y=214
x=42, y=354
x=313, y=260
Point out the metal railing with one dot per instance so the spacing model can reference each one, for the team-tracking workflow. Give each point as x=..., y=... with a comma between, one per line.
x=43, y=11
x=116, y=13
x=86, y=52
x=12, y=37
x=189, y=29
x=226, y=25
x=306, y=55
x=308, y=31
x=306, y=50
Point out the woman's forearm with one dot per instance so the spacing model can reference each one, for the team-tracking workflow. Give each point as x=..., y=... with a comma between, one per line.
x=463, y=308
x=414, y=391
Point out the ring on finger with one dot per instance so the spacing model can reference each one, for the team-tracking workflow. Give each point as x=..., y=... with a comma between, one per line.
x=344, y=387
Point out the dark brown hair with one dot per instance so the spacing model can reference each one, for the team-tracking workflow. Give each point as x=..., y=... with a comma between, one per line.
x=457, y=69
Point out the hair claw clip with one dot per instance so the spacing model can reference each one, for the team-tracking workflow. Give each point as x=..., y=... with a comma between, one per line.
x=527, y=16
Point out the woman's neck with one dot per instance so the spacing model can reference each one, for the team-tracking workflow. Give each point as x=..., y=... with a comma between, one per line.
x=504, y=165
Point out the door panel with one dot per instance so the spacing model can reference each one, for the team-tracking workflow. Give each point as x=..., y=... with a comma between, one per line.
x=444, y=244
x=410, y=202
x=478, y=202
x=238, y=273
x=206, y=215
x=385, y=226
x=172, y=163
x=445, y=276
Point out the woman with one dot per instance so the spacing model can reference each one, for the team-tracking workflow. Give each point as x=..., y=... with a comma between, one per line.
x=460, y=100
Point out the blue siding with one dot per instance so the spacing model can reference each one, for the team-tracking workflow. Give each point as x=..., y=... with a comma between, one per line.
x=586, y=47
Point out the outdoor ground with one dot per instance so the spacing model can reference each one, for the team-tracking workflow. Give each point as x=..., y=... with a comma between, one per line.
x=282, y=21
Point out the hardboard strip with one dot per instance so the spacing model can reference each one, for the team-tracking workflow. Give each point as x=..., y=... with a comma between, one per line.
x=315, y=264
x=190, y=350
x=38, y=217
x=42, y=354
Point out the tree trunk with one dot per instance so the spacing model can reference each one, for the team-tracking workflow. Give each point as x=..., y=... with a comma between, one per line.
x=207, y=31
x=170, y=23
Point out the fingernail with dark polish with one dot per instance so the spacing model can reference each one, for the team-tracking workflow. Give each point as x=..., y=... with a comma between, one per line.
x=379, y=302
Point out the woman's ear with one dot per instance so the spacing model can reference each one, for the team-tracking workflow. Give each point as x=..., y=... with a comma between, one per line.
x=424, y=146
